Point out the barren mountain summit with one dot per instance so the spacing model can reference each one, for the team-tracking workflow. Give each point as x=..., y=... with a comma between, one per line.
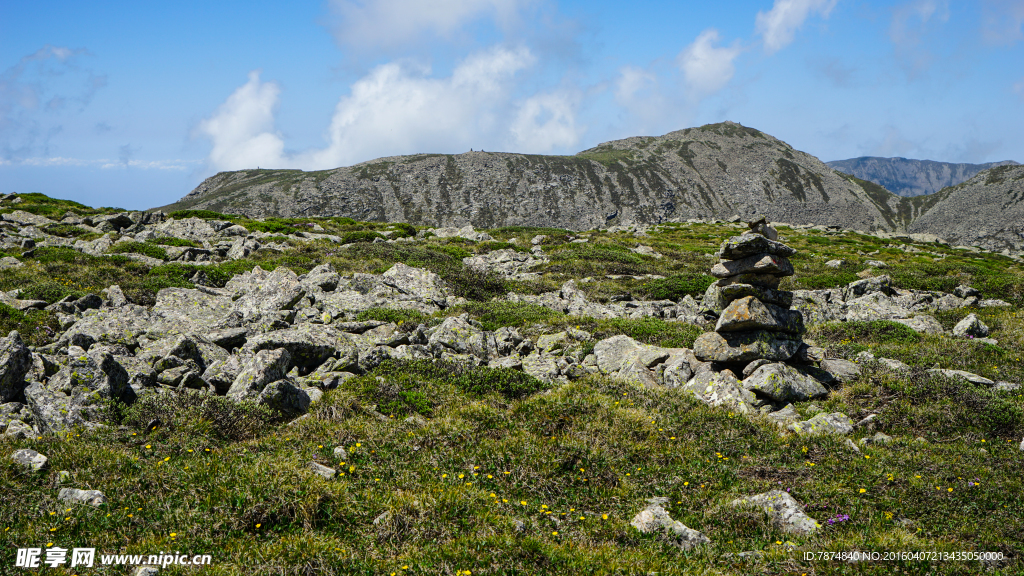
x=714, y=171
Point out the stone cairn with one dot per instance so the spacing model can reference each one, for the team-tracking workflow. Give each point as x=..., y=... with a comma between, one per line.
x=755, y=321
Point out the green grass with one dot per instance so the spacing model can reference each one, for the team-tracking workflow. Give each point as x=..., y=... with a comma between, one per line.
x=144, y=248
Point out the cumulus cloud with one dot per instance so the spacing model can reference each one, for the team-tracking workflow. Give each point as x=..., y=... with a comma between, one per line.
x=241, y=130
x=35, y=92
x=400, y=108
x=1003, y=21
x=546, y=121
x=778, y=26
x=368, y=24
x=707, y=68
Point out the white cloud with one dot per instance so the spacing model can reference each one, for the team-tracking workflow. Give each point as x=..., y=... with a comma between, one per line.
x=241, y=128
x=706, y=68
x=105, y=163
x=632, y=81
x=371, y=24
x=399, y=108
x=1003, y=21
x=546, y=121
x=779, y=25
x=1018, y=88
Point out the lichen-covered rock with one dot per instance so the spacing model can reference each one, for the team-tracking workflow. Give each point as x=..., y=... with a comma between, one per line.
x=749, y=313
x=323, y=276
x=257, y=371
x=422, y=284
x=285, y=397
x=780, y=298
x=121, y=325
x=75, y=496
x=824, y=423
x=616, y=352
x=721, y=389
x=17, y=429
x=754, y=264
x=970, y=377
x=72, y=396
x=15, y=362
x=543, y=368
x=308, y=344
x=29, y=459
x=654, y=519
x=185, y=346
x=922, y=323
x=750, y=244
x=221, y=375
x=871, y=285
x=842, y=370
x=875, y=306
x=460, y=335
x=770, y=281
x=970, y=327
x=784, y=417
x=783, y=383
x=264, y=293
x=184, y=310
x=744, y=346
x=785, y=512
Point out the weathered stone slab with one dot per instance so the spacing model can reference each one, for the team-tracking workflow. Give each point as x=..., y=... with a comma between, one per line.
x=721, y=389
x=15, y=362
x=750, y=244
x=749, y=313
x=755, y=264
x=654, y=519
x=762, y=280
x=783, y=383
x=784, y=510
x=824, y=423
x=780, y=298
x=744, y=346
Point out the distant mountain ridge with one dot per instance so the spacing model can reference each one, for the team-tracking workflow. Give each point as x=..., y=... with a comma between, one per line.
x=906, y=177
x=714, y=171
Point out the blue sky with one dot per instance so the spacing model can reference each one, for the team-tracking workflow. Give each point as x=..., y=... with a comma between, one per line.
x=132, y=104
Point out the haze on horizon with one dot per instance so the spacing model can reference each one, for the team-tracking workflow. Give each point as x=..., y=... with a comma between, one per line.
x=133, y=104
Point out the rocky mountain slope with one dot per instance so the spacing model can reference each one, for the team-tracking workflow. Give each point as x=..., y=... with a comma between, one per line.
x=714, y=171
x=906, y=177
x=987, y=210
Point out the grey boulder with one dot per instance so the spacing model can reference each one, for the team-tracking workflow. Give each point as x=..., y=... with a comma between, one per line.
x=824, y=423
x=29, y=459
x=783, y=383
x=257, y=372
x=654, y=519
x=785, y=512
x=970, y=327
x=15, y=362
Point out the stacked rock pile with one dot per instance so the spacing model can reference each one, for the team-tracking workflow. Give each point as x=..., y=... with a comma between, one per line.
x=755, y=321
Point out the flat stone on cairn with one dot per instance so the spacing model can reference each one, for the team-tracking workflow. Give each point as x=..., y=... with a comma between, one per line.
x=755, y=321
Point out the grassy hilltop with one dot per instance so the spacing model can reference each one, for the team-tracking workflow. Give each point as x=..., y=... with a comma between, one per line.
x=486, y=471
